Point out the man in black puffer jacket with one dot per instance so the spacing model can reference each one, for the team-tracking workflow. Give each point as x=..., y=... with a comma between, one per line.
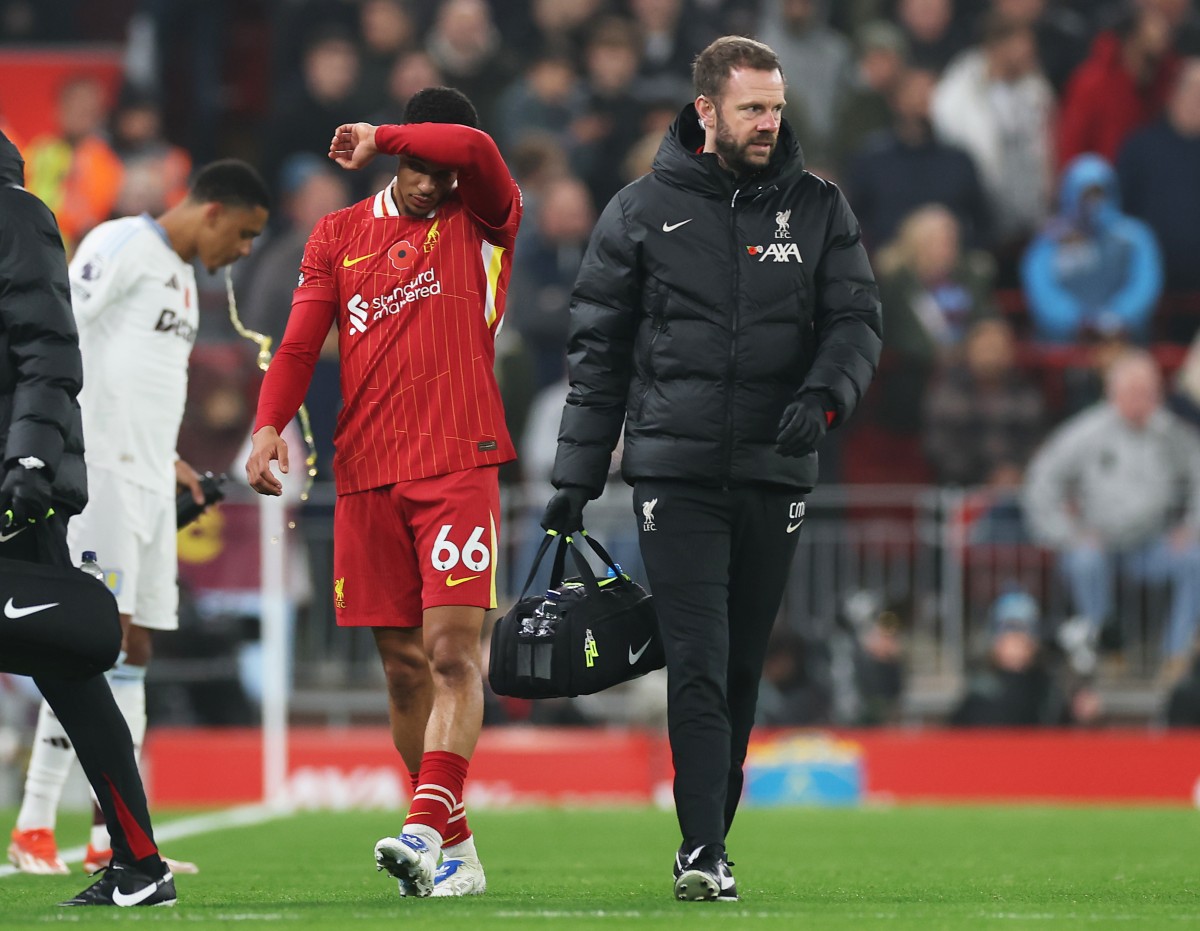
x=42, y=483
x=727, y=316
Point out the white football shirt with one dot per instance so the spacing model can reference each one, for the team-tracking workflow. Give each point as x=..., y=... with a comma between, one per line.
x=135, y=305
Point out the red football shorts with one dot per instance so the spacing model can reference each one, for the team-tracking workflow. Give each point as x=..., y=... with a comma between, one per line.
x=414, y=545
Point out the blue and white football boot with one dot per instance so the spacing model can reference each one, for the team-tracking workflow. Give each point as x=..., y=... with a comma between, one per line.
x=412, y=859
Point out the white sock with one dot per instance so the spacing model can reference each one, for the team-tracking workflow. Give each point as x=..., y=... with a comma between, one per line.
x=49, y=765
x=426, y=833
x=463, y=850
x=128, y=684
x=99, y=838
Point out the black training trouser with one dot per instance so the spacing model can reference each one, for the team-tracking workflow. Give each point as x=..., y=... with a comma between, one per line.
x=717, y=561
x=87, y=711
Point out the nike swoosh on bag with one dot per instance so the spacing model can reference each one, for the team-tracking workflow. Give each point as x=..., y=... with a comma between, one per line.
x=135, y=898
x=634, y=657
x=12, y=612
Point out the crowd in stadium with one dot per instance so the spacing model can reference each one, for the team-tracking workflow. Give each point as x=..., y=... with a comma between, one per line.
x=1026, y=174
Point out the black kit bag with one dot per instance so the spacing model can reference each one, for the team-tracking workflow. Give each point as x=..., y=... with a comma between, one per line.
x=56, y=621
x=605, y=633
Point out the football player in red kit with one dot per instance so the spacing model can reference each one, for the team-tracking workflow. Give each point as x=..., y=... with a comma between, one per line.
x=415, y=279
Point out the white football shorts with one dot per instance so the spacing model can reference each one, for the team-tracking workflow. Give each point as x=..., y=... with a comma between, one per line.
x=132, y=531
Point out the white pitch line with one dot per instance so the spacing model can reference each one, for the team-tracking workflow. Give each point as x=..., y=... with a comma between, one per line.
x=242, y=816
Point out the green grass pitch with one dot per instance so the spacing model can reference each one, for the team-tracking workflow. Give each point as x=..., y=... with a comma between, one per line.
x=923, y=868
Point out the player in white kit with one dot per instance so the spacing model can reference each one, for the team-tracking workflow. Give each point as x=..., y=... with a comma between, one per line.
x=134, y=296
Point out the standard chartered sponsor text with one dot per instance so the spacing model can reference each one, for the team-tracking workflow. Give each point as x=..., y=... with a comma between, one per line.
x=426, y=284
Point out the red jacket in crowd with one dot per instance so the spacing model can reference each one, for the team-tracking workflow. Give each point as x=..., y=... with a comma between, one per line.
x=1103, y=104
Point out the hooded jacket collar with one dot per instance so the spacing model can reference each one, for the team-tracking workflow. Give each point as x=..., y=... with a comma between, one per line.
x=12, y=166
x=679, y=161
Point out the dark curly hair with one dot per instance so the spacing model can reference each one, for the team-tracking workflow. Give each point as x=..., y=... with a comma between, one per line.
x=441, y=105
x=231, y=182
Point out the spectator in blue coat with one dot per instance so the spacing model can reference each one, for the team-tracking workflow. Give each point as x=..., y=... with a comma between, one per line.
x=1093, y=270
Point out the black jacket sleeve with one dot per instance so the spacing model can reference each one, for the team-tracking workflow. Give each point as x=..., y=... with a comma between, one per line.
x=848, y=319
x=42, y=342
x=604, y=313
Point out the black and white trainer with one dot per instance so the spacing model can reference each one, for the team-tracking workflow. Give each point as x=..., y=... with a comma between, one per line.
x=124, y=887
x=704, y=876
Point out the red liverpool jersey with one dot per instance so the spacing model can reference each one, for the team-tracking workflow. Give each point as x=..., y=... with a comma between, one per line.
x=418, y=302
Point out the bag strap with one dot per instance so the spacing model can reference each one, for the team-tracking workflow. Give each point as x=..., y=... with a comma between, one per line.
x=602, y=553
x=556, y=568
x=586, y=575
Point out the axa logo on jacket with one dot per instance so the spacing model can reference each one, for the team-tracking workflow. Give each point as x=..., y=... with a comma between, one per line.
x=777, y=252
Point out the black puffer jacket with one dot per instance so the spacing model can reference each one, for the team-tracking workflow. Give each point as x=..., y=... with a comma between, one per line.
x=705, y=304
x=40, y=367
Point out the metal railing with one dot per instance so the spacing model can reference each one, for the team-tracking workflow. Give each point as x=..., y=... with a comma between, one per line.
x=936, y=558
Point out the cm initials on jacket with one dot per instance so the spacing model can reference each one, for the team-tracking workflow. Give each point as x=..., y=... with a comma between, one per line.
x=705, y=304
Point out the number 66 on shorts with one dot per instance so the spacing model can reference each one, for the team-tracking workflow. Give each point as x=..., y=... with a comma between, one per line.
x=474, y=554
x=414, y=545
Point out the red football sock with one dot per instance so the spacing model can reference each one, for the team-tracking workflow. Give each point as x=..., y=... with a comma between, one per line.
x=439, y=791
x=457, y=829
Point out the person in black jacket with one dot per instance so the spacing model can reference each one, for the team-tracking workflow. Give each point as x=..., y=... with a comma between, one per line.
x=43, y=483
x=726, y=314
x=1020, y=683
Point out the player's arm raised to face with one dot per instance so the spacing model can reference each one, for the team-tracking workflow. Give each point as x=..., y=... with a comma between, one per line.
x=484, y=182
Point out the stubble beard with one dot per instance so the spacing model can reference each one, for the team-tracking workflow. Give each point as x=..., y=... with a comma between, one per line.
x=734, y=154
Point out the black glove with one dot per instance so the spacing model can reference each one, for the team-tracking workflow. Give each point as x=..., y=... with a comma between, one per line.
x=24, y=496
x=801, y=427
x=564, y=513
